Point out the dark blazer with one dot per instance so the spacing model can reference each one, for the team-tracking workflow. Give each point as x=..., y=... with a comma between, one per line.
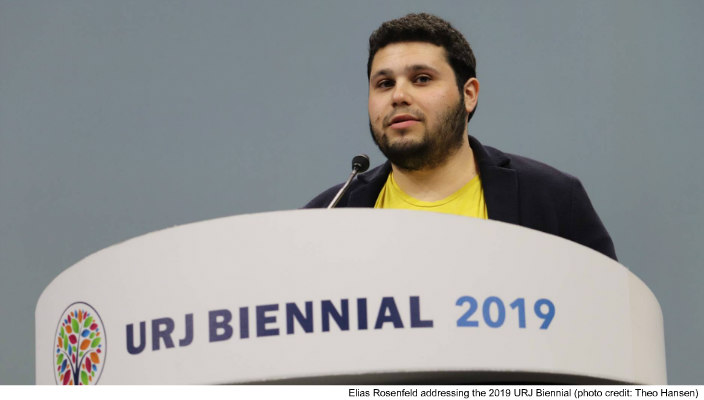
x=517, y=190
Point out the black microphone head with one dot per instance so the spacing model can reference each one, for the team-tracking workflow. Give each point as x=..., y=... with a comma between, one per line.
x=360, y=163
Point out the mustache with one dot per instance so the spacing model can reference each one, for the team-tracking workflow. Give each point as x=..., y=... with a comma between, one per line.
x=417, y=114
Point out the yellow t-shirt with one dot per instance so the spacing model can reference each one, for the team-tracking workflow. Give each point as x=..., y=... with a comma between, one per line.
x=467, y=201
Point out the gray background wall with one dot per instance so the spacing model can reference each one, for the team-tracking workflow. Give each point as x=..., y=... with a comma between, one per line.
x=118, y=118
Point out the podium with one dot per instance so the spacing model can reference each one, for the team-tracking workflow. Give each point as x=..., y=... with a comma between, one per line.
x=348, y=296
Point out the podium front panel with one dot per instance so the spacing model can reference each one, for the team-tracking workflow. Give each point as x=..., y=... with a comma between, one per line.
x=348, y=296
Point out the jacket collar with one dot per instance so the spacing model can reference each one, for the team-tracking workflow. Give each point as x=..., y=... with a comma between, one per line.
x=499, y=181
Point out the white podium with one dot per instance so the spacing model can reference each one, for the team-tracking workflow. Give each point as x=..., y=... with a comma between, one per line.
x=348, y=296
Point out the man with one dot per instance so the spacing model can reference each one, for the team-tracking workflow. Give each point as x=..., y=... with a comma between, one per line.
x=422, y=93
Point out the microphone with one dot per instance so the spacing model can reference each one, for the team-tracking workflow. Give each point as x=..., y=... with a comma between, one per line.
x=360, y=163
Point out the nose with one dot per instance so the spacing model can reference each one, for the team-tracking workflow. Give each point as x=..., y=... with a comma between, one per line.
x=400, y=95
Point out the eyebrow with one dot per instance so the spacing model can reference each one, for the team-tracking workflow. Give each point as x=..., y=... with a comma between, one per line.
x=409, y=68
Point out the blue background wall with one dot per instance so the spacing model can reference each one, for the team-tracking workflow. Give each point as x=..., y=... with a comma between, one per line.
x=121, y=118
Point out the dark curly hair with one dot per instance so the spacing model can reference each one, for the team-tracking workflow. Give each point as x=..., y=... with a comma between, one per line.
x=428, y=28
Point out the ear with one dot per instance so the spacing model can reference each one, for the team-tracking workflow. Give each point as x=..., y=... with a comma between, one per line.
x=471, y=93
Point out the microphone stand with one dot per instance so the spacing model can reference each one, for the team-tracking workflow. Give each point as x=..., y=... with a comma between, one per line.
x=360, y=163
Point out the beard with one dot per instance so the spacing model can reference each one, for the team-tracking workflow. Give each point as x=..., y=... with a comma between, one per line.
x=433, y=149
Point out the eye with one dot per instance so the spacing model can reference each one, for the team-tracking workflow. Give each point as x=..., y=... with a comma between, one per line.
x=385, y=83
x=422, y=79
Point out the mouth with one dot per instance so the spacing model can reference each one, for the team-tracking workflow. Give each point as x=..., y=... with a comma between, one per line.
x=403, y=121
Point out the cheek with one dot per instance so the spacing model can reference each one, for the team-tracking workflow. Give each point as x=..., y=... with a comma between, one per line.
x=440, y=103
x=375, y=114
x=441, y=99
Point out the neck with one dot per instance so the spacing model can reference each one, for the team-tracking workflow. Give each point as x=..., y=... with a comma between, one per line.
x=436, y=183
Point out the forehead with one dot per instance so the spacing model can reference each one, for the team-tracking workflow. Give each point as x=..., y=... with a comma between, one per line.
x=400, y=55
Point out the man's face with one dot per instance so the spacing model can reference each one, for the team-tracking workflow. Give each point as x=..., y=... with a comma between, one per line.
x=416, y=114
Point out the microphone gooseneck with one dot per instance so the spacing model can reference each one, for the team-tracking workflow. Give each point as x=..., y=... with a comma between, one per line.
x=360, y=163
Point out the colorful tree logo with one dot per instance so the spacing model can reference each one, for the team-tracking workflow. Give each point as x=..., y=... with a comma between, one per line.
x=80, y=346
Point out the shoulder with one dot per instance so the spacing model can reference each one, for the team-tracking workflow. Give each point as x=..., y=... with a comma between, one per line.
x=323, y=199
x=534, y=172
x=528, y=170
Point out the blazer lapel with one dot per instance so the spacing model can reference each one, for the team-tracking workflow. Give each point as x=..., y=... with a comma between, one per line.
x=499, y=181
x=501, y=193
